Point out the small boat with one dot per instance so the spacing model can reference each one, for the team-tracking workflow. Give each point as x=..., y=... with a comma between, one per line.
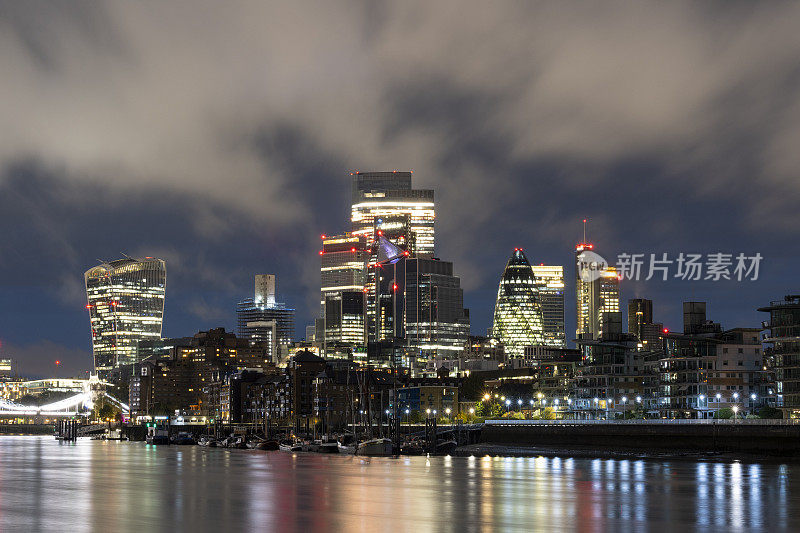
x=183, y=438
x=290, y=447
x=208, y=441
x=267, y=445
x=328, y=447
x=347, y=444
x=157, y=435
x=412, y=447
x=375, y=448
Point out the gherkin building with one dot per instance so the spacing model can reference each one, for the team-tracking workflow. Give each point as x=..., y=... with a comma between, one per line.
x=518, y=318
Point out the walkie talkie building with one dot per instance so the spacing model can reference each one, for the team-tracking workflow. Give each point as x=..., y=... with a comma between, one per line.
x=126, y=305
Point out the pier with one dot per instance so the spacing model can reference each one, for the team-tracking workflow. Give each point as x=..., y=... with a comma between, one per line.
x=771, y=437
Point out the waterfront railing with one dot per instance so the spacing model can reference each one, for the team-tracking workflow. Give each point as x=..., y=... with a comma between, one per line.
x=647, y=421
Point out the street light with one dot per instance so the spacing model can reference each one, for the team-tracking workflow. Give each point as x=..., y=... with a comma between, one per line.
x=531, y=402
x=447, y=411
x=472, y=410
x=735, y=410
x=638, y=399
x=487, y=396
x=736, y=396
x=719, y=396
x=508, y=403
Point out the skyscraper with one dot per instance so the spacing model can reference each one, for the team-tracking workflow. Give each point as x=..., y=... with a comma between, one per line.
x=550, y=288
x=126, y=305
x=518, y=320
x=641, y=325
x=343, y=270
x=384, y=204
x=386, y=199
x=596, y=291
x=262, y=318
x=436, y=323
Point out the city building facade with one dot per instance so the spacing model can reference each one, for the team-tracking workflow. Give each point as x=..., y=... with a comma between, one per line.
x=550, y=287
x=126, y=305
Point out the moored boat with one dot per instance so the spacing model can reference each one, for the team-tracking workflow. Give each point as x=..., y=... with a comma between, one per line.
x=375, y=448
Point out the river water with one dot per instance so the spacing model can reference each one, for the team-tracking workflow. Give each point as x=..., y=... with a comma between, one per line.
x=46, y=485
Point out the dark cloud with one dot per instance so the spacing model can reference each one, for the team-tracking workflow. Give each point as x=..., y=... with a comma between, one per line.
x=220, y=138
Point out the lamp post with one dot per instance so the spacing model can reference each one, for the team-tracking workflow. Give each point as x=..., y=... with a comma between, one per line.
x=624, y=401
x=519, y=403
x=595, y=400
x=508, y=405
x=735, y=410
x=408, y=419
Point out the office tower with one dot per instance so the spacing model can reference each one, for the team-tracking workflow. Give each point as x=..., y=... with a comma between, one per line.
x=126, y=305
x=436, y=323
x=262, y=318
x=343, y=264
x=345, y=318
x=596, y=291
x=783, y=352
x=550, y=287
x=640, y=311
x=518, y=318
x=641, y=325
x=385, y=200
x=384, y=204
x=343, y=274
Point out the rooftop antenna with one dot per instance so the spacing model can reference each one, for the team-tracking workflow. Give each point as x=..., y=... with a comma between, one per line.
x=132, y=259
x=584, y=230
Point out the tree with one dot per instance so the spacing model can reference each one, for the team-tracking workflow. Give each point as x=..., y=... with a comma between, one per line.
x=489, y=408
x=725, y=413
x=770, y=413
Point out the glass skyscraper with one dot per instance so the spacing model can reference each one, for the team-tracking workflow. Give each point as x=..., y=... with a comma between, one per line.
x=384, y=204
x=518, y=320
x=596, y=293
x=436, y=323
x=386, y=199
x=126, y=305
x=550, y=288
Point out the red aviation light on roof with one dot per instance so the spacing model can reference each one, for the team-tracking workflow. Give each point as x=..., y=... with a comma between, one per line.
x=666, y=330
x=365, y=290
x=88, y=306
x=352, y=249
x=394, y=286
x=321, y=252
x=380, y=232
x=323, y=236
x=405, y=252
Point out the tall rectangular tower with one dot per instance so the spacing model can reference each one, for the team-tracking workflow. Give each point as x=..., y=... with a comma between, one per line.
x=384, y=204
x=596, y=291
x=550, y=284
x=126, y=305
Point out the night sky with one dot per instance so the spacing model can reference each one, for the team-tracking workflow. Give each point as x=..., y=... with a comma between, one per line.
x=220, y=137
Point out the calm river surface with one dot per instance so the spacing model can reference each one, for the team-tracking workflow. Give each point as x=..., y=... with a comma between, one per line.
x=119, y=486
